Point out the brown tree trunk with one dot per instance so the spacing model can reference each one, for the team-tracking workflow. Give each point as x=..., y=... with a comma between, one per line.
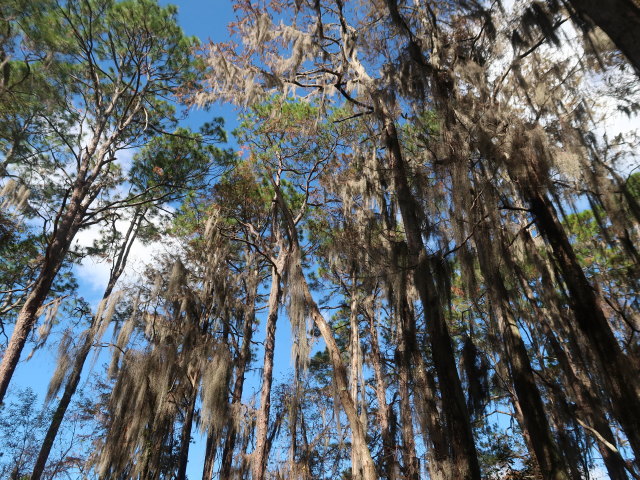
x=185, y=436
x=74, y=377
x=238, y=386
x=389, y=464
x=620, y=19
x=409, y=455
x=355, y=367
x=534, y=415
x=461, y=441
x=209, y=458
x=582, y=389
x=619, y=374
x=589, y=406
x=360, y=447
x=339, y=371
x=259, y=460
x=57, y=249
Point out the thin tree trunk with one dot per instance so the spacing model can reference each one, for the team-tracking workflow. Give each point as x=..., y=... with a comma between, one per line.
x=441, y=465
x=409, y=455
x=238, y=386
x=340, y=374
x=389, y=463
x=185, y=437
x=582, y=390
x=259, y=459
x=74, y=377
x=533, y=412
x=209, y=458
x=534, y=415
x=339, y=371
x=355, y=368
x=588, y=405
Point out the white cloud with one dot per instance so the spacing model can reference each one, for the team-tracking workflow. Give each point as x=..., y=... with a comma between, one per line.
x=93, y=272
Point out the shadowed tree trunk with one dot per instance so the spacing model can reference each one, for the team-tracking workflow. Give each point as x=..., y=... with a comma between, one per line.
x=521, y=373
x=620, y=19
x=409, y=455
x=581, y=388
x=618, y=373
x=209, y=457
x=389, y=465
x=462, y=444
x=359, y=436
x=185, y=437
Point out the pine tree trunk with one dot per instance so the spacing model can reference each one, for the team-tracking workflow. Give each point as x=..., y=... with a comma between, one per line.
x=462, y=444
x=620, y=19
x=389, y=464
x=619, y=374
x=533, y=412
x=81, y=357
x=26, y=320
x=588, y=405
x=409, y=455
x=581, y=387
x=63, y=404
x=441, y=464
x=339, y=371
x=355, y=367
x=185, y=436
x=360, y=447
x=259, y=455
x=209, y=458
x=54, y=256
x=238, y=386
x=534, y=415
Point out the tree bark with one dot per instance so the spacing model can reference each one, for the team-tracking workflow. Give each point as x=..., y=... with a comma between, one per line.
x=533, y=413
x=209, y=457
x=588, y=405
x=340, y=374
x=619, y=373
x=185, y=436
x=28, y=315
x=65, y=228
x=339, y=371
x=389, y=464
x=74, y=377
x=619, y=19
x=238, y=386
x=534, y=416
x=259, y=460
x=355, y=367
x=409, y=455
x=461, y=441
x=582, y=389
